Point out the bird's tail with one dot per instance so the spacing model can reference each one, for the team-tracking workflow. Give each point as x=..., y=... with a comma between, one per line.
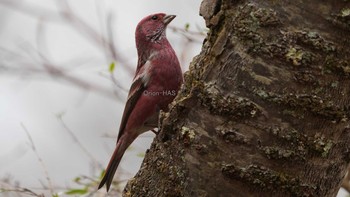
x=122, y=145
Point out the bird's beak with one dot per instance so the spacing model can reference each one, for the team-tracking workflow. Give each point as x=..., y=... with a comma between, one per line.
x=168, y=18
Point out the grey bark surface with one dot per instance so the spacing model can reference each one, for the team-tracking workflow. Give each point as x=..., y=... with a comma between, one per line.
x=264, y=110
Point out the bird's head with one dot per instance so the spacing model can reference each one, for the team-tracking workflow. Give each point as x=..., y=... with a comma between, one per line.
x=151, y=29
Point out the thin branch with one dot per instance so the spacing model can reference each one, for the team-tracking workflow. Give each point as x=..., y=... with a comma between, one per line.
x=115, y=82
x=55, y=72
x=23, y=191
x=110, y=35
x=191, y=36
x=87, y=30
x=40, y=37
x=32, y=145
x=78, y=142
x=68, y=15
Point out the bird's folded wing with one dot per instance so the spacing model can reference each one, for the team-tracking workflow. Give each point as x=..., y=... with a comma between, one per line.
x=138, y=86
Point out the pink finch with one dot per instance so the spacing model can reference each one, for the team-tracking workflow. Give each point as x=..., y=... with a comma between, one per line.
x=157, y=80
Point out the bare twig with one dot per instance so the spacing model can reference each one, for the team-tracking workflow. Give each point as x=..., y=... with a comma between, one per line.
x=191, y=36
x=40, y=37
x=32, y=145
x=68, y=15
x=110, y=34
x=84, y=28
x=23, y=191
x=110, y=76
x=77, y=141
x=56, y=72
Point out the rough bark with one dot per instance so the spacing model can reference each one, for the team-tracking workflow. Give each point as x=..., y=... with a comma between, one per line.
x=264, y=110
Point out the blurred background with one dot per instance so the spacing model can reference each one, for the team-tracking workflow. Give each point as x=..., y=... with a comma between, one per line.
x=65, y=71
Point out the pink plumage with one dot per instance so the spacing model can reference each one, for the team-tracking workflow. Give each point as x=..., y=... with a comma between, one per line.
x=157, y=80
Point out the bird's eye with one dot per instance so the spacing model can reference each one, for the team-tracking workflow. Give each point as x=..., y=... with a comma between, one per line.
x=154, y=17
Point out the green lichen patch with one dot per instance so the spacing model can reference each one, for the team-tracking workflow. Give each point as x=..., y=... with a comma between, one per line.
x=345, y=12
x=275, y=152
x=320, y=144
x=291, y=135
x=314, y=40
x=295, y=145
x=306, y=102
x=232, y=106
x=341, y=19
x=255, y=17
x=267, y=179
x=298, y=56
x=266, y=17
x=290, y=146
x=249, y=20
x=187, y=135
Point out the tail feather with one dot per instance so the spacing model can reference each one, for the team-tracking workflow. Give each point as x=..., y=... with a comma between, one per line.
x=113, y=164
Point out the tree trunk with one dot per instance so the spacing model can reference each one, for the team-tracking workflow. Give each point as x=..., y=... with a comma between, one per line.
x=264, y=110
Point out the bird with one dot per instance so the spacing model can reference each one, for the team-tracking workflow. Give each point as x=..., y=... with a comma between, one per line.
x=157, y=80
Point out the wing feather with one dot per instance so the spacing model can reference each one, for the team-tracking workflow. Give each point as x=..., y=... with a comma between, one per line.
x=138, y=86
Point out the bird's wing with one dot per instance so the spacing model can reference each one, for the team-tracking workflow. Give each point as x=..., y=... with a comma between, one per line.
x=139, y=84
